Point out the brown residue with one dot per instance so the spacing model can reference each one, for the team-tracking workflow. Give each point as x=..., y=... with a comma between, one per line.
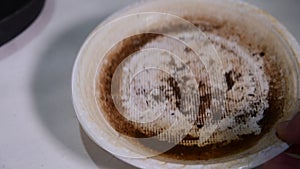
x=193, y=152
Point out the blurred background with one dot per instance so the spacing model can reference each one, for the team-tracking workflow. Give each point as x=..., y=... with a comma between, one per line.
x=38, y=125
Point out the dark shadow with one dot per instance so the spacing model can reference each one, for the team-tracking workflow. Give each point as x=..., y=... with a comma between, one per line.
x=51, y=89
x=34, y=30
x=101, y=157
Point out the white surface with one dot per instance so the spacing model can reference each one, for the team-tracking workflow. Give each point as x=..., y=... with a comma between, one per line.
x=38, y=126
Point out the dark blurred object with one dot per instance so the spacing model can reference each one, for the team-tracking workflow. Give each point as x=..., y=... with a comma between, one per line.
x=16, y=16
